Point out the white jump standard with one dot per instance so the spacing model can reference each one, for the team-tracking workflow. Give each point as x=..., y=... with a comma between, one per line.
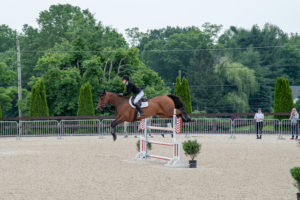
x=175, y=160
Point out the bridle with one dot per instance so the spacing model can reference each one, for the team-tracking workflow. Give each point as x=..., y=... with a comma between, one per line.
x=102, y=106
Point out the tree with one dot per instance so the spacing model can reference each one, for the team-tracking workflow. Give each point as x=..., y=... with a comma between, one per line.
x=177, y=89
x=239, y=82
x=297, y=105
x=7, y=38
x=8, y=97
x=187, y=95
x=290, y=57
x=182, y=90
x=0, y=112
x=85, y=101
x=283, y=99
x=38, y=102
x=7, y=76
x=62, y=88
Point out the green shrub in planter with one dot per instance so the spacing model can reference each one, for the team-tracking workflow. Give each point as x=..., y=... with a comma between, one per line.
x=295, y=172
x=191, y=148
x=149, y=146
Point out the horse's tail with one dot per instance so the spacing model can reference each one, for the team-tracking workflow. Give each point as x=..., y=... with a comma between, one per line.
x=180, y=106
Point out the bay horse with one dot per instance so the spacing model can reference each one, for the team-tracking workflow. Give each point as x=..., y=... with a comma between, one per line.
x=161, y=105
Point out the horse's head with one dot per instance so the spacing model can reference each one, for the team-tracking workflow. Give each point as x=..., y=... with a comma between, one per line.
x=103, y=101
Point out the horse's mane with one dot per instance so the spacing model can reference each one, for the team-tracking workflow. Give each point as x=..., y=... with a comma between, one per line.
x=116, y=94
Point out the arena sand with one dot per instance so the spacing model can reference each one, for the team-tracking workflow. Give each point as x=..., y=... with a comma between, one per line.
x=89, y=168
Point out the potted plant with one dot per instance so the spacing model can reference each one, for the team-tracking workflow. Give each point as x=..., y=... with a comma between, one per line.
x=295, y=172
x=149, y=146
x=192, y=148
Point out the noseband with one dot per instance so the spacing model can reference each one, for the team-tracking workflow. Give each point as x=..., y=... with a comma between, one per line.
x=102, y=106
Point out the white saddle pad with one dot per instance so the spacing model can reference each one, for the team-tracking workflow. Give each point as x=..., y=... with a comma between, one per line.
x=144, y=104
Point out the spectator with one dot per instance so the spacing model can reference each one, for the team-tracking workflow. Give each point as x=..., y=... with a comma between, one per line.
x=294, y=123
x=259, y=117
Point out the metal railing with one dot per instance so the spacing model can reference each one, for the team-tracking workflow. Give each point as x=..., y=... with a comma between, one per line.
x=97, y=127
x=126, y=128
x=80, y=127
x=207, y=125
x=248, y=126
x=39, y=128
x=9, y=128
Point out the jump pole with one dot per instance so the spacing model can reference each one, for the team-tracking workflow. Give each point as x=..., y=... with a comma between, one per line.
x=175, y=160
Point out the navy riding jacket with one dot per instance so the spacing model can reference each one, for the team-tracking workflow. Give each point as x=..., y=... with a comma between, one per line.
x=130, y=87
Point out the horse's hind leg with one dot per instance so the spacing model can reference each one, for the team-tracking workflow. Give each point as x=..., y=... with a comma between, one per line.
x=183, y=114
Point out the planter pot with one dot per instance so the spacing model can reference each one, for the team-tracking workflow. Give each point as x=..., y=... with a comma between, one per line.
x=298, y=196
x=193, y=163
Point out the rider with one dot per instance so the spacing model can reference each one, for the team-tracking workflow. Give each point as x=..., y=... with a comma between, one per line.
x=138, y=93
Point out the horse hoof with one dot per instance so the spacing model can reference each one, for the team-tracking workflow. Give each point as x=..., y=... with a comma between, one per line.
x=114, y=136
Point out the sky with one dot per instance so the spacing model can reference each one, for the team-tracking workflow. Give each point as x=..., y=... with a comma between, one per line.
x=151, y=14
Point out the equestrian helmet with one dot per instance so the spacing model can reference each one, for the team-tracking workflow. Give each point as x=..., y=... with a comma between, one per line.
x=125, y=77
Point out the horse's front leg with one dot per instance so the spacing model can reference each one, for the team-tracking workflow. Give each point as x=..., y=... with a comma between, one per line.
x=113, y=130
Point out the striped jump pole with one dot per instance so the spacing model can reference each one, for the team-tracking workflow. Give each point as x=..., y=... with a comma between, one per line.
x=175, y=160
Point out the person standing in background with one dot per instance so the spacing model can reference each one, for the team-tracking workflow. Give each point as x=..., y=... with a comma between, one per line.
x=294, y=123
x=259, y=117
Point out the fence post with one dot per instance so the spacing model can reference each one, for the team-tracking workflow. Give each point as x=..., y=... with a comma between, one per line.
x=214, y=124
x=18, y=131
x=232, y=136
x=280, y=130
x=99, y=130
x=59, y=130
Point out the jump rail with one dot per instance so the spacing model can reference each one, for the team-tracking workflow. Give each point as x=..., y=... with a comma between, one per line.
x=175, y=160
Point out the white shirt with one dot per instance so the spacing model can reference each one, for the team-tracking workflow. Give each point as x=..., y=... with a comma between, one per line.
x=259, y=117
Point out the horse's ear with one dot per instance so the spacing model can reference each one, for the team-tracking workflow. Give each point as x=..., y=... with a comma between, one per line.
x=102, y=93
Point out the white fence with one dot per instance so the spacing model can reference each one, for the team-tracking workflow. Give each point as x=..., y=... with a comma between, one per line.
x=97, y=127
x=8, y=128
x=38, y=128
x=80, y=127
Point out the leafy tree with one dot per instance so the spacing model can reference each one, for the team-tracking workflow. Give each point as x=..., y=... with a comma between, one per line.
x=62, y=88
x=241, y=84
x=38, y=102
x=290, y=56
x=134, y=36
x=7, y=92
x=0, y=112
x=7, y=76
x=85, y=101
x=283, y=99
x=7, y=38
x=297, y=105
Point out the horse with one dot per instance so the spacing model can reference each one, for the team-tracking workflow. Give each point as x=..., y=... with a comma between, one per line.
x=161, y=105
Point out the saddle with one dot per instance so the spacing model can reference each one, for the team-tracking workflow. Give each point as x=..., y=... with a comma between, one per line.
x=143, y=101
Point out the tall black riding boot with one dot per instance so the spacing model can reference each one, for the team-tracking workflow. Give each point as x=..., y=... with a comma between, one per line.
x=138, y=107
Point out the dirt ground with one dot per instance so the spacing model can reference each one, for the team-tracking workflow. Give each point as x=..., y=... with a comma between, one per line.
x=41, y=168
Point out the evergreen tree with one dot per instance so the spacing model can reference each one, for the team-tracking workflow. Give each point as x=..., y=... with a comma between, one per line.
x=182, y=90
x=85, y=101
x=187, y=95
x=177, y=89
x=38, y=102
x=283, y=99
